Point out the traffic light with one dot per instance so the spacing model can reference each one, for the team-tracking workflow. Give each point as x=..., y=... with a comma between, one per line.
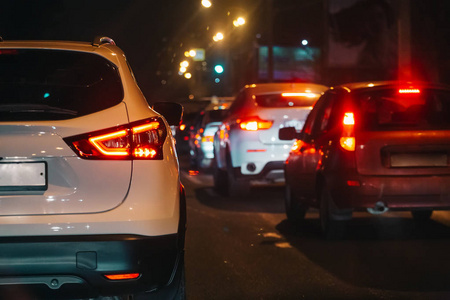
x=218, y=69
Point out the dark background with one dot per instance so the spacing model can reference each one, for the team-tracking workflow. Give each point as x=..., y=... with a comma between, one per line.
x=154, y=34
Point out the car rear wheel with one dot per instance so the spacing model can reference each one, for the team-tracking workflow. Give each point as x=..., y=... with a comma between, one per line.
x=421, y=215
x=295, y=210
x=332, y=227
x=175, y=291
x=220, y=179
x=236, y=187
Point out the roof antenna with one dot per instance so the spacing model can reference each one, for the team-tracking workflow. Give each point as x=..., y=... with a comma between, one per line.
x=100, y=40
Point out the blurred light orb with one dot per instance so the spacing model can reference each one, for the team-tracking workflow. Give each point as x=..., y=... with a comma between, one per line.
x=305, y=42
x=218, y=37
x=184, y=64
x=192, y=53
x=217, y=80
x=188, y=75
x=218, y=69
x=206, y=3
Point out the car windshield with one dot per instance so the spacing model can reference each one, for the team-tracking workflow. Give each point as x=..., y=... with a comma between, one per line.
x=287, y=100
x=39, y=84
x=390, y=109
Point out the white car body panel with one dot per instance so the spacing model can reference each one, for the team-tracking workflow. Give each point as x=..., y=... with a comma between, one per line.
x=89, y=196
x=263, y=146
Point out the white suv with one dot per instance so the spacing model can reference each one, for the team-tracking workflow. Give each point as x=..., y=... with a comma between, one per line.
x=91, y=202
x=247, y=147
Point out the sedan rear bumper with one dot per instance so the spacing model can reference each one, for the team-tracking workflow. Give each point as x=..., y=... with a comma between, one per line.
x=399, y=192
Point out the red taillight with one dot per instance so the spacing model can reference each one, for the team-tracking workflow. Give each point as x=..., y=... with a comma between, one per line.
x=137, y=140
x=112, y=144
x=349, y=119
x=124, y=276
x=347, y=140
x=409, y=91
x=254, y=124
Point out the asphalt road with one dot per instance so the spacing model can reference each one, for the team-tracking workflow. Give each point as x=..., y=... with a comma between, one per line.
x=244, y=248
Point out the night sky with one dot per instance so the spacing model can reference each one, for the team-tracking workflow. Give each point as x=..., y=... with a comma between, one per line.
x=152, y=33
x=147, y=29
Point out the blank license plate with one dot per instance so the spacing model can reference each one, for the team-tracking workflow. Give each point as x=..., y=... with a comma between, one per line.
x=23, y=176
x=419, y=160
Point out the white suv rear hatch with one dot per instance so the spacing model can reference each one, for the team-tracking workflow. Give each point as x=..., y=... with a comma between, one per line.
x=48, y=95
x=68, y=183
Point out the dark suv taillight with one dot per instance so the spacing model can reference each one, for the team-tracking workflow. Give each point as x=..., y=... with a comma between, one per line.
x=138, y=140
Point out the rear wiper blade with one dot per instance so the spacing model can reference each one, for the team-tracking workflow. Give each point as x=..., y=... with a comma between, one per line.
x=36, y=108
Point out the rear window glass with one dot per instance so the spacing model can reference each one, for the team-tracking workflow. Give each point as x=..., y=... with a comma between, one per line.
x=215, y=115
x=287, y=100
x=417, y=109
x=42, y=84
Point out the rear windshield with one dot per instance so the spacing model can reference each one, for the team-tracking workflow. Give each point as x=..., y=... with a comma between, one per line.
x=215, y=115
x=287, y=100
x=412, y=109
x=41, y=84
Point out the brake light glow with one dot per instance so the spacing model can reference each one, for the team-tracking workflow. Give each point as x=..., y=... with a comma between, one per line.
x=111, y=144
x=347, y=143
x=309, y=95
x=254, y=124
x=409, y=91
x=138, y=140
x=349, y=118
x=347, y=140
x=124, y=276
x=297, y=146
x=208, y=138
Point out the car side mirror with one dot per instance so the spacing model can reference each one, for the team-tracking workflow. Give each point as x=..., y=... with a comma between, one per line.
x=288, y=133
x=171, y=111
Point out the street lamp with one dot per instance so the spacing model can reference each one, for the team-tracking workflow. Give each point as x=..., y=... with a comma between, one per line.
x=239, y=22
x=218, y=37
x=206, y=3
x=184, y=64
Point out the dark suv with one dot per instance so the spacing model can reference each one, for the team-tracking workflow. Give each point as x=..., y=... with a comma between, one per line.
x=371, y=146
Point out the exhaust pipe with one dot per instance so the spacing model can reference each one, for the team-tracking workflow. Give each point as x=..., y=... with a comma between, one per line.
x=379, y=208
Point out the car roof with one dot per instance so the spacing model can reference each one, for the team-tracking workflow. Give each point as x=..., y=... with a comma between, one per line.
x=278, y=87
x=103, y=47
x=366, y=85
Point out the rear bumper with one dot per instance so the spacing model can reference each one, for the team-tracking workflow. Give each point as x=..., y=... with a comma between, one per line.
x=396, y=192
x=273, y=170
x=74, y=266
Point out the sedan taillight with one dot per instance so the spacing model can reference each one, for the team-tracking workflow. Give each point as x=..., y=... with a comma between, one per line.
x=347, y=140
x=254, y=124
x=138, y=140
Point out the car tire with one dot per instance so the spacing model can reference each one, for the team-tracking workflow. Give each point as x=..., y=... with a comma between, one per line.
x=295, y=210
x=176, y=290
x=236, y=187
x=421, y=215
x=220, y=179
x=193, y=160
x=332, y=229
